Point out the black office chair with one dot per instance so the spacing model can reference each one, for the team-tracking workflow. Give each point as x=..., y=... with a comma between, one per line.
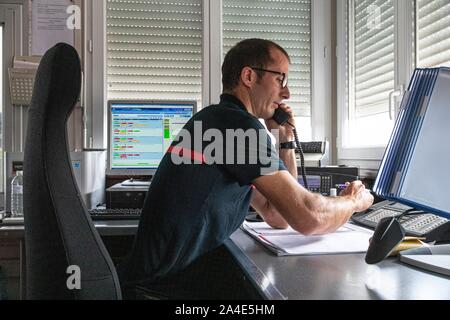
x=58, y=229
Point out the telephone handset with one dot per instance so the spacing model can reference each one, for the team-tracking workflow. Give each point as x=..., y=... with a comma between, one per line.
x=281, y=117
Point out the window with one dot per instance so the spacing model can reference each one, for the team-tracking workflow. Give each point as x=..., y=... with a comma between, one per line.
x=288, y=23
x=371, y=72
x=154, y=50
x=384, y=41
x=1, y=107
x=12, y=119
x=375, y=61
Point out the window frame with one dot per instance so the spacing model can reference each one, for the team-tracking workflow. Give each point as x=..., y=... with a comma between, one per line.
x=321, y=68
x=404, y=40
x=13, y=118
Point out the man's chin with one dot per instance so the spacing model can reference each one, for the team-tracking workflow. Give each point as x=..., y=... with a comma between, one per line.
x=271, y=113
x=268, y=116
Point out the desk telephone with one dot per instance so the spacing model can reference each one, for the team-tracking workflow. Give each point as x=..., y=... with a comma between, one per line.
x=416, y=223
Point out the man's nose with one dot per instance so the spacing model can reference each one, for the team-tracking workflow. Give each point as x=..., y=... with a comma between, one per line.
x=285, y=93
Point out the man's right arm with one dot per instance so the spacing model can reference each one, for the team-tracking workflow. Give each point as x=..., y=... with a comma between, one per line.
x=307, y=212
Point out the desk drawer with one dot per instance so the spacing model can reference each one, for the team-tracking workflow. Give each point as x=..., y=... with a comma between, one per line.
x=9, y=286
x=9, y=249
x=10, y=269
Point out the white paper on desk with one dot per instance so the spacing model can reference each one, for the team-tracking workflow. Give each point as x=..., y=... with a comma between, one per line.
x=347, y=239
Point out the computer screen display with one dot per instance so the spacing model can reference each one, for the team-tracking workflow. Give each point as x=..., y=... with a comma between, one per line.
x=140, y=132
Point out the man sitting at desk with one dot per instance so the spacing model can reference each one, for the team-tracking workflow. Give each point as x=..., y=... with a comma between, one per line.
x=198, y=198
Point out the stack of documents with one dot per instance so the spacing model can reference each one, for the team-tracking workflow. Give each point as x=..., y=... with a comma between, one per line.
x=415, y=164
x=347, y=239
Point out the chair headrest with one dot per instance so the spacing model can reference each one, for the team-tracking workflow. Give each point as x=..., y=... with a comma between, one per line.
x=58, y=81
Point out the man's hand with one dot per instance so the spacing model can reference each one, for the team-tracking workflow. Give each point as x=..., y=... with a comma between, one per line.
x=357, y=191
x=285, y=131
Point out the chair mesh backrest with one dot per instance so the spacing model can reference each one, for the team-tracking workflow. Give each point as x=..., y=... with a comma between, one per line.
x=58, y=229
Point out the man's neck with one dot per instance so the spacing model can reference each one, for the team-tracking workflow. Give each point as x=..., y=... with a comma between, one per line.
x=243, y=97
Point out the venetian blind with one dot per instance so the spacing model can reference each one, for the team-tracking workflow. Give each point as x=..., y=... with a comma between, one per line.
x=373, y=56
x=286, y=22
x=154, y=49
x=433, y=24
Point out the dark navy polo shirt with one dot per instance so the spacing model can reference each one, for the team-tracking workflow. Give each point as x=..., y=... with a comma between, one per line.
x=192, y=208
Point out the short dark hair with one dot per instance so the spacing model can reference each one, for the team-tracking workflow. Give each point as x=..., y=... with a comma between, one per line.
x=249, y=52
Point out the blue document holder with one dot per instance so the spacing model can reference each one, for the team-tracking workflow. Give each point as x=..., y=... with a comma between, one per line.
x=416, y=163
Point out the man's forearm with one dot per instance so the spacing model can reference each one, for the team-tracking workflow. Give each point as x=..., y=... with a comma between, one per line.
x=332, y=212
x=263, y=205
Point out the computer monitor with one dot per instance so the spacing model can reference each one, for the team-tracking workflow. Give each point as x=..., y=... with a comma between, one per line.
x=140, y=132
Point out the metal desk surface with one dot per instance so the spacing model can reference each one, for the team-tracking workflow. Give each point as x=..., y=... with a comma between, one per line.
x=330, y=277
x=343, y=276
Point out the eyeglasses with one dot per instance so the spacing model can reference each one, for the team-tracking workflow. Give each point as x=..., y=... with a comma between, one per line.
x=283, y=80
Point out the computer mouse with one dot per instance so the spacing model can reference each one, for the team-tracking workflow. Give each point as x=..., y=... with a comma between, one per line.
x=388, y=234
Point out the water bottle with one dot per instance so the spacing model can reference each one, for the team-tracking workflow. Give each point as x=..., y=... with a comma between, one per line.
x=17, y=195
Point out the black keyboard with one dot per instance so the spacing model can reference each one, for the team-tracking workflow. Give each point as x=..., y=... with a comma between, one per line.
x=115, y=214
x=417, y=225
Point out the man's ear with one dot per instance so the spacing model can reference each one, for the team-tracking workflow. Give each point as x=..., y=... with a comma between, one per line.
x=248, y=77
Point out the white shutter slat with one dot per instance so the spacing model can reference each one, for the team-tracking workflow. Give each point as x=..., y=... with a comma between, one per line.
x=375, y=69
x=377, y=93
x=366, y=87
x=376, y=60
x=433, y=43
x=375, y=108
x=154, y=49
x=438, y=36
x=131, y=95
x=276, y=7
x=288, y=23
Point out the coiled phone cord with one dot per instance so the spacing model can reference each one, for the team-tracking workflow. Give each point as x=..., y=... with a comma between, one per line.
x=302, y=158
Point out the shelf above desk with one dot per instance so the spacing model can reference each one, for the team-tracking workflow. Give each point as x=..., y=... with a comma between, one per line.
x=104, y=227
